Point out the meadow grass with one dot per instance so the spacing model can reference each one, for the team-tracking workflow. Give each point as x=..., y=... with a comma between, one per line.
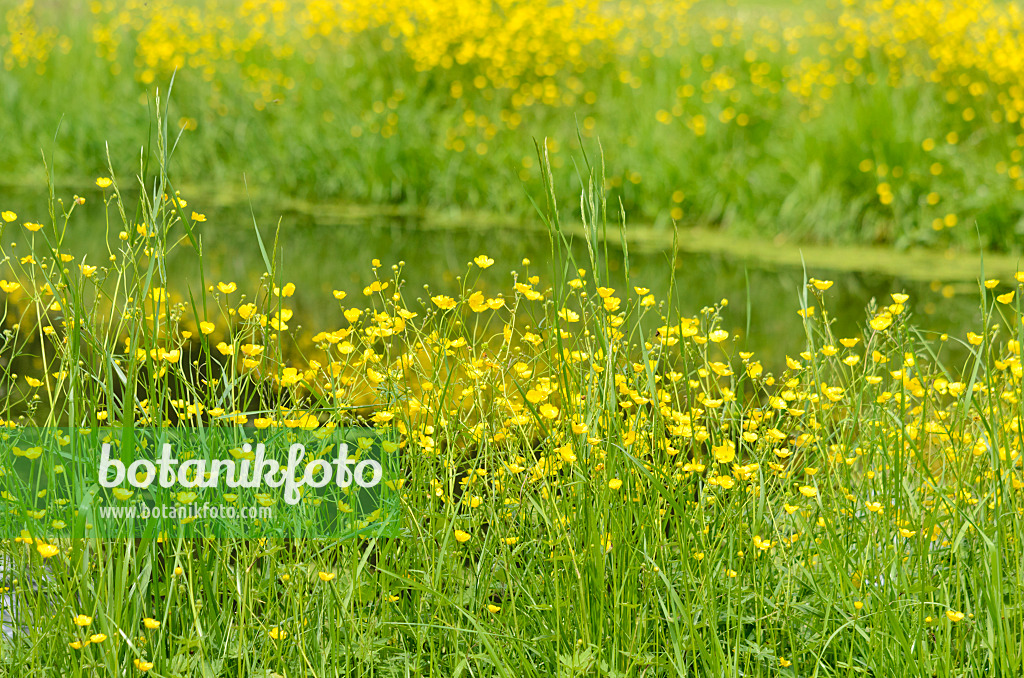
x=876, y=121
x=596, y=482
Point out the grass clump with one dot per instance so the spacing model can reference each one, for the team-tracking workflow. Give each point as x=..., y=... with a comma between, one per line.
x=594, y=481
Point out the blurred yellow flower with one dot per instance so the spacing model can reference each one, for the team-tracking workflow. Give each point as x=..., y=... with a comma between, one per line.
x=47, y=550
x=443, y=302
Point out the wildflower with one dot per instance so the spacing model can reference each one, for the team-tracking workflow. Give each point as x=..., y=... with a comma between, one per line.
x=150, y=623
x=808, y=491
x=142, y=665
x=549, y=411
x=206, y=327
x=8, y=216
x=566, y=454
x=97, y=638
x=227, y=288
x=86, y=270
x=483, y=261
x=493, y=609
x=821, y=285
x=339, y=294
x=277, y=634
x=725, y=452
x=103, y=182
x=461, y=536
x=881, y=322
x=443, y=302
x=326, y=576
x=614, y=484
x=476, y=302
x=196, y=216
x=47, y=550
x=783, y=662
x=81, y=620
x=32, y=226
x=718, y=336
x=954, y=616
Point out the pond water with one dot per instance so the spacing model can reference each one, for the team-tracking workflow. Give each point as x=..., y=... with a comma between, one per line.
x=323, y=248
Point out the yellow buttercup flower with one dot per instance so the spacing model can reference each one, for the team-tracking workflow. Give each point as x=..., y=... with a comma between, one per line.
x=443, y=302
x=47, y=550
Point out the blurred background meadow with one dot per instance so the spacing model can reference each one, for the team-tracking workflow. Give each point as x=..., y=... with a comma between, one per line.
x=390, y=213
x=754, y=128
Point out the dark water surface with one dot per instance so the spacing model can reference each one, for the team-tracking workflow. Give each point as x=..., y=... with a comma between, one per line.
x=324, y=248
